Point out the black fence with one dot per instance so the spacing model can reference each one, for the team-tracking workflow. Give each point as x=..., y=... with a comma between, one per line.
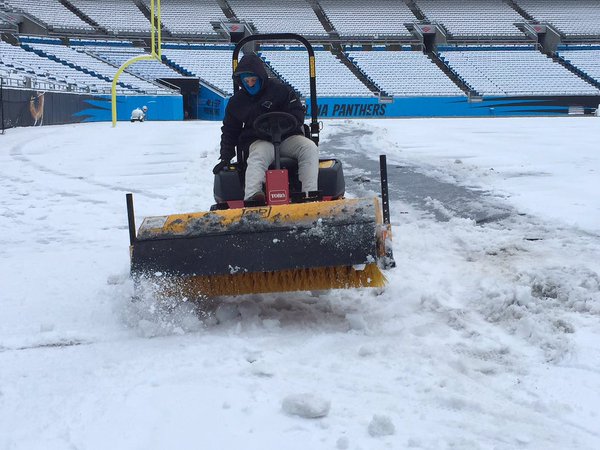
x=1, y=105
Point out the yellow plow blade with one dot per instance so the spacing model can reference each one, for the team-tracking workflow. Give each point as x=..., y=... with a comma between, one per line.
x=304, y=246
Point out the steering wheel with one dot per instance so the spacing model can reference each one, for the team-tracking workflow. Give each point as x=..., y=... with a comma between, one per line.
x=275, y=124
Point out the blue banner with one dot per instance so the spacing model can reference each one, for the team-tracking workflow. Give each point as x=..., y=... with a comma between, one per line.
x=337, y=107
x=356, y=107
x=211, y=106
x=160, y=107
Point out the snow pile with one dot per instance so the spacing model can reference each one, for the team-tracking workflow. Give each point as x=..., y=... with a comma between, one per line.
x=308, y=406
x=381, y=425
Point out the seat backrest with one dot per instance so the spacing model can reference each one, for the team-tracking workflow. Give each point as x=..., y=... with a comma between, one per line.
x=291, y=164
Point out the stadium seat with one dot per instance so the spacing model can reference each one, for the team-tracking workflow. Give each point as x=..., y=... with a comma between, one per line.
x=578, y=18
x=384, y=17
x=333, y=78
x=405, y=73
x=519, y=71
x=474, y=18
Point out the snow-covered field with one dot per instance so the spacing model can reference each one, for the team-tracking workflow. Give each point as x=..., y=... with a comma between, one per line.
x=485, y=338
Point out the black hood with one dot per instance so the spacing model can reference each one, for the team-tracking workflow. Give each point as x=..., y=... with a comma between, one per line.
x=252, y=63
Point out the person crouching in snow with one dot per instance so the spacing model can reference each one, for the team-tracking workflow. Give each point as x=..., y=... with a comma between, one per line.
x=137, y=114
x=259, y=95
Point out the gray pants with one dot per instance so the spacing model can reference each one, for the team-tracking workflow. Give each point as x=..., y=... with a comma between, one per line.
x=262, y=154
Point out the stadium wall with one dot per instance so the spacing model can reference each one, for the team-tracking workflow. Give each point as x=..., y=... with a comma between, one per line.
x=213, y=108
x=23, y=107
x=334, y=107
x=35, y=108
x=160, y=107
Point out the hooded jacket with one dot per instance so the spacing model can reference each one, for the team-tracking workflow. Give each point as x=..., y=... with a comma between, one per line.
x=244, y=108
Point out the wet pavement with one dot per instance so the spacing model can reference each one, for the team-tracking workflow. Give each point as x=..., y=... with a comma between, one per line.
x=408, y=184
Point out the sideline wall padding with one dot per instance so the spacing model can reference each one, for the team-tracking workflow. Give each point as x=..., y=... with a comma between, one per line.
x=355, y=107
x=26, y=107
x=211, y=106
x=23, y=107
x=335, y=107
x=160, y=107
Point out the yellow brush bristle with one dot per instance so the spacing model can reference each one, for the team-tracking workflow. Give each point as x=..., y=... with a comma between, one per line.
x=286, y=280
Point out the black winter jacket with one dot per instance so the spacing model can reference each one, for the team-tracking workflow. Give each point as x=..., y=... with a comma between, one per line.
x=244, y=108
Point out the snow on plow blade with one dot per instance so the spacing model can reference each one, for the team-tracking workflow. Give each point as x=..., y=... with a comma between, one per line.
x=305, y=246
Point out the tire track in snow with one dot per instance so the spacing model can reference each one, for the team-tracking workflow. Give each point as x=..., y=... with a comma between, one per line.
x=17, y=153
x=529, y=408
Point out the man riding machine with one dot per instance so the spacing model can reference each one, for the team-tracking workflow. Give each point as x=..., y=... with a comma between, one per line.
x=299, y=233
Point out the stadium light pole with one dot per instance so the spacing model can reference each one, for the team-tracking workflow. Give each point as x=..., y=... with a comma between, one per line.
x=156, y=53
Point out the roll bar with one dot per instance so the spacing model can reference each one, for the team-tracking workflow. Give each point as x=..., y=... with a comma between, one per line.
x=314, y=123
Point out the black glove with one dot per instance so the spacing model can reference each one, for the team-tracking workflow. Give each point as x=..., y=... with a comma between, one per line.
x=219, y=167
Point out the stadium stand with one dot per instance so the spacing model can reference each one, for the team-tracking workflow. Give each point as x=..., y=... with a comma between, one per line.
x=585, y=58
x=114, y=15
x=212, y=64
x=384, y=17
x=520, y=70
x=279, y=16
x=473, y=18
x=7, y=73
x=13, y=78
x=579, y=18
x=85, y=62
x=405, y=73
x=333, y=77
x=149, y=70
x=51, y=13
x=30, y=65
x=182, y=17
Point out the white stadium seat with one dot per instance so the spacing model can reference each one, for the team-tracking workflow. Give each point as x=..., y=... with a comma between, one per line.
x=520, y=71
x=31, y=64
x=279, y=16
x=51, y=13
x=86, y=62
x=473, y=17
x=185, y=17
x=210, y=63
x=333, y=77
x=584, y=58
x=405, y=73
x=383, y=18
x=573, y=18
x=117, y=55
x=115, y=15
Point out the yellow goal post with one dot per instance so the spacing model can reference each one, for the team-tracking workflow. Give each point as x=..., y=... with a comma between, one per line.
x=156, y=53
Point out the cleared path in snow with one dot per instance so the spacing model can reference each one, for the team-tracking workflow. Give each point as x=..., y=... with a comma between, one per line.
x=442, y=199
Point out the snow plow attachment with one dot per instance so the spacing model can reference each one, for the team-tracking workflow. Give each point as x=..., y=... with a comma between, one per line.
x=305, y=246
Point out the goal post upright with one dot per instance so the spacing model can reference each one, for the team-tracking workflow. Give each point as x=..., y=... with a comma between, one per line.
x=155, y=53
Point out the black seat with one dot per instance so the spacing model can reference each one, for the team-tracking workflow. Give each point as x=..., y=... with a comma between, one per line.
x=291, y=164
